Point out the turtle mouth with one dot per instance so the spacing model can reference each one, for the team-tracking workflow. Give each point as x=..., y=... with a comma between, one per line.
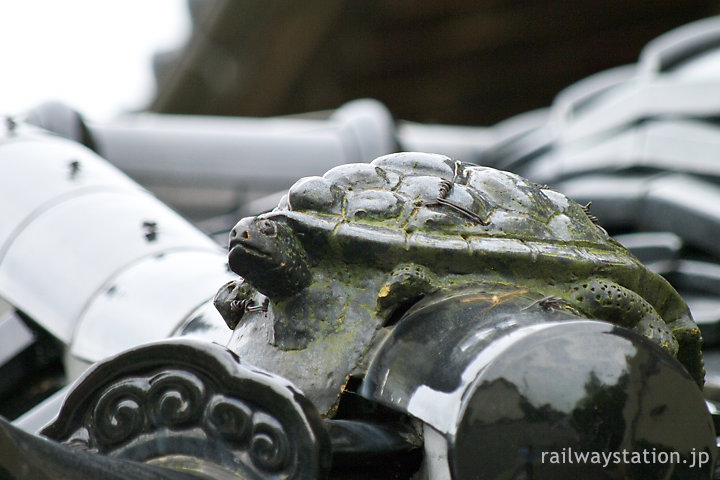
x=236, y=246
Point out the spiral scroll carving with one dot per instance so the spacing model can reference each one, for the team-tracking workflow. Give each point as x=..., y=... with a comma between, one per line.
x=230, y=418
x=269, y=447
x=192, y=400
x=175, y=398
x=119, y=412
x=131, y=406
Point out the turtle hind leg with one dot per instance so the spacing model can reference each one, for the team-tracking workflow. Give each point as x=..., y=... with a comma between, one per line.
x=690, y=353
x=614, y=303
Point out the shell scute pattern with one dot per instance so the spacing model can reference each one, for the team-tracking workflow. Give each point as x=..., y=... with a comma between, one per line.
x=427, y=219
x=566, y=229
x=509, y=223
x=560, y=201
x=420, y=188
x=468, y=198
x=372, y=204
x=511, y=191
x=425, y=192
x=313, y=193
x=361, y=175
x=418, y=163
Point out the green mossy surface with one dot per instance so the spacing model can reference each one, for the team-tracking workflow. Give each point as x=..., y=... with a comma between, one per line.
x=375, y=237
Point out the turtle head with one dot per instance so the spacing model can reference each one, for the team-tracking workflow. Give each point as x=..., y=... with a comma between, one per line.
x=268, y=255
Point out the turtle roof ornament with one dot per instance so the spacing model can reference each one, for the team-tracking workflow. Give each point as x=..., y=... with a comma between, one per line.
x=343, y=254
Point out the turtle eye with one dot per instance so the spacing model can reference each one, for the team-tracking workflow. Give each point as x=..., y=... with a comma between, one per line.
x=267, y=227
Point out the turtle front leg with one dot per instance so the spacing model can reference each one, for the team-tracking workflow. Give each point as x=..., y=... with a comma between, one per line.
x=606, y=300
x=232, y=300
x=405, y=285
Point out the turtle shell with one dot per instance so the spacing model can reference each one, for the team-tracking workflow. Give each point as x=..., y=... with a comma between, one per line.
x=419, y=201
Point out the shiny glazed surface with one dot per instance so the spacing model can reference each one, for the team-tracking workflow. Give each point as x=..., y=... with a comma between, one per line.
x=509, y=382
